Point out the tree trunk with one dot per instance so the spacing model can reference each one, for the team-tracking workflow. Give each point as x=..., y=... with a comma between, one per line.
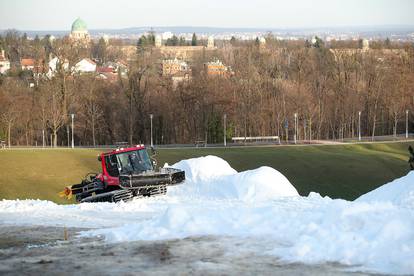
x=93, y=131
x=130, y=120
x=395, y=125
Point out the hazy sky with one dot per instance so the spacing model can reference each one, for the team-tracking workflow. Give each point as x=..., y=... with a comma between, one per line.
x=59, y=14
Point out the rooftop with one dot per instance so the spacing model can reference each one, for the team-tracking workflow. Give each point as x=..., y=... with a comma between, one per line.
x=79, y=25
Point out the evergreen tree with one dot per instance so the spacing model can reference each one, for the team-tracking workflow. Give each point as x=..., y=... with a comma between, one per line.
x=182, y=41
x=194, y=40
x=101, y=50
x=318, y=43
x=151, y=39
x=387, y=43
x=145, y=42
x=24, y=37
x=173, y=41
x=233, y=40
x=360, y=43
x=142, y=41
x=47, y=45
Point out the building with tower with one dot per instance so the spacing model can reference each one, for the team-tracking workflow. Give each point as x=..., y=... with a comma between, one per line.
x=79, y=32
x=210, y=43
x=158, y=41
x=365, y=45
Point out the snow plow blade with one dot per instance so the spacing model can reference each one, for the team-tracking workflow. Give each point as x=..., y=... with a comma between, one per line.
x=69, y=191
x=166, y=176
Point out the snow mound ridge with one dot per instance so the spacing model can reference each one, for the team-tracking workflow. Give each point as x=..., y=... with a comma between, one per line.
x=399, y=192
x=212, y=177
x=204, y=168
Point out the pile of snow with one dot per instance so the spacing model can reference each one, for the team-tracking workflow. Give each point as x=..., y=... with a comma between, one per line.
x=399, y=192
x=374, y=233
x=212, y=177
x=204, y=168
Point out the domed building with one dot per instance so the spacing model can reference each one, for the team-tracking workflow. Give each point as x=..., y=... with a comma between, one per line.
x=79, y=31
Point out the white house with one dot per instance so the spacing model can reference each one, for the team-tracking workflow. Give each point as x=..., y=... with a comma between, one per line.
x=86, y=65
x=53, y=64
x=4, y=63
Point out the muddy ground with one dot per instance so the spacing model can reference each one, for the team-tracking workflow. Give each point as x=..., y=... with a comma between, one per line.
x=44, y=251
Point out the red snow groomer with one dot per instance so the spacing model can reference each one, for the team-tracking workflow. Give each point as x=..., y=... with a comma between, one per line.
x=126, y=173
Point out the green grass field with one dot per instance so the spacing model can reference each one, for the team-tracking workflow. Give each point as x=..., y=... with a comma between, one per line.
x=340, y=171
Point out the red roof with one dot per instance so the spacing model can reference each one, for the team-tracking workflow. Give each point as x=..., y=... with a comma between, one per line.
x=27, y=62
x=104, y=69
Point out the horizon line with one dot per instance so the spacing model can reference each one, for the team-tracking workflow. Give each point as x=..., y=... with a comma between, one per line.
x=216, y=27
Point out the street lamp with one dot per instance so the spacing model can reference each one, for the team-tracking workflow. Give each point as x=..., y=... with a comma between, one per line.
x=296, y=126
x=406, y=124
x=224, y=126
x=73, y=141
x=359, y=125
x=152, y=143
x=67, y=132
x=43, y=137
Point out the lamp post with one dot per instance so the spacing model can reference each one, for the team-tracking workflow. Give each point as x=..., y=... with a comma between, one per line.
x=296, y=127
x=43, y=137
x=359, y=125
x=152, y=142
x=73, y=141
x=224, y=128
x=406, y=124
x=67, y=132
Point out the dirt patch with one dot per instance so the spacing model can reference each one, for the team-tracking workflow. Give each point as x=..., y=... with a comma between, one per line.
x=44, y=251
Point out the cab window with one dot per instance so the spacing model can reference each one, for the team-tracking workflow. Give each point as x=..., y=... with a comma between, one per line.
x=111, y=165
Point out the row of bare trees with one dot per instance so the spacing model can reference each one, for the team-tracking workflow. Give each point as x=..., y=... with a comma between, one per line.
x=326, y=87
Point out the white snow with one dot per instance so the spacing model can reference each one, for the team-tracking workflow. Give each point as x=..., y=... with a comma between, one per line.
x=399, y=192
x=374, y=233
x=212, y=177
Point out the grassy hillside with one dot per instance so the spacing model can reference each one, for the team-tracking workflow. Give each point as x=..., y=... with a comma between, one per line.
x=343, y=171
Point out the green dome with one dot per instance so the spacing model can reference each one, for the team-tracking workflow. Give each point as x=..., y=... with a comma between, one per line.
x=79, y=25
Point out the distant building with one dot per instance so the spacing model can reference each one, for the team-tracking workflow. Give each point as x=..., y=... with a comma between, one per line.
x=79, y=32
x=158, y=41
x=107, y=76
x=365, y=45
x=171, y=67
x=38, y=67
x=86, y=65
x=178, y=70
x=27, y=64
x=55, y=64
x=4, y=63
x=217, y=68
x=119, y=67
x=210, y=42
x=262, y=41
x=104, y=69
x=105, y=37
x=180, y=52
